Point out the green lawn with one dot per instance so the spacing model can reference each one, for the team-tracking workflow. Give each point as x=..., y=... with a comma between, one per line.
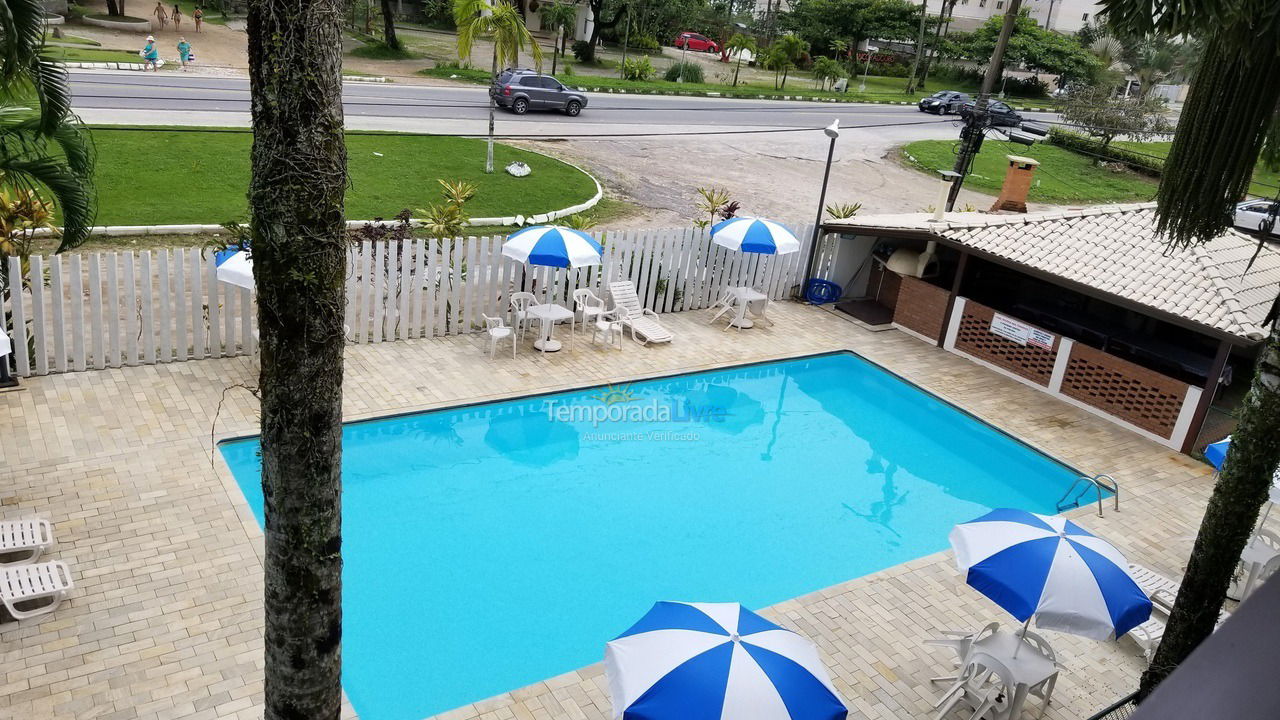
x=71, y=40
x=1063, y=177
x=1265, y=181
x=165, y=176
x=69, y=54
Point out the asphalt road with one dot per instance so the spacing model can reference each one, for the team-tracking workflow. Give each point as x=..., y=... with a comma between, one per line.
x=169, y=98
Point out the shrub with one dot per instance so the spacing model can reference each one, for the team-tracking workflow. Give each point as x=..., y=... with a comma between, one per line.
x=640, y=70
x=957, y=74
x=1087, y=146
x=1032, y=87
x=582, y=50
x=691, y=72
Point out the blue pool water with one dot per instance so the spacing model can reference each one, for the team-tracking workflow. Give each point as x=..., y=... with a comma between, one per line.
x=493, y=546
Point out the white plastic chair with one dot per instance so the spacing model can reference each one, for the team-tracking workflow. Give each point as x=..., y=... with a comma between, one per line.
x=642, y=321
x=23, y=541
x=608, y=325
x=520, y=304
x=496, y=330
x=960, y=641
x=591, y=307
x=24, y=584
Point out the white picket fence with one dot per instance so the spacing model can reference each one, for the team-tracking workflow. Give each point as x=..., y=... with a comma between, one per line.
x=110, y=309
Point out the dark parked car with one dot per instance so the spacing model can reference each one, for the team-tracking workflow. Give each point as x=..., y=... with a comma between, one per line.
x=943, y=102
x=1001, y=115
x=522, y=90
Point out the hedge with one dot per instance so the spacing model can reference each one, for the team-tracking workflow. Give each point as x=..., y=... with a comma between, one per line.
x=1085, y=145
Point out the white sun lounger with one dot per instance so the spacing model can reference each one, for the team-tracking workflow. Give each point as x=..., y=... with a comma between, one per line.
x=28, y=583
x=1163, y=592
x=643, y=322
x=23, y=541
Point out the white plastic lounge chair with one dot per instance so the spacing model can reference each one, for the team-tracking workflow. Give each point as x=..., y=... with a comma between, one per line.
x=496, y=330
x=23, y=541
x=643, y=322
x=1162, y=592
x=25, y=584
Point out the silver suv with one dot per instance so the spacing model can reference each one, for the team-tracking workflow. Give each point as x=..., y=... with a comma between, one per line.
x=523, y=90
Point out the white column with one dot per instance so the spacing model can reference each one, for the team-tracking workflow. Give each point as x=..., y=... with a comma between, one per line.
x=1060, y=364
x=953, y=324
x=1188, y=411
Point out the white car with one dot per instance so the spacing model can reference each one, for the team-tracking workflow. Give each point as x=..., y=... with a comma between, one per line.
x=1251, y=213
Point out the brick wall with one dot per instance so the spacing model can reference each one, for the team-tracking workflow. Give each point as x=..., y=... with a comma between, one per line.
x=921, y=307
x=1128, y=391
x=888, y=283
x=975, y=338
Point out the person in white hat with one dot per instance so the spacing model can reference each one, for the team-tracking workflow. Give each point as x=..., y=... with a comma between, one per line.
x=150, y=55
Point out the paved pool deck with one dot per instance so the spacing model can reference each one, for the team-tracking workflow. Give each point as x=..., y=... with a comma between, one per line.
x=166, y=617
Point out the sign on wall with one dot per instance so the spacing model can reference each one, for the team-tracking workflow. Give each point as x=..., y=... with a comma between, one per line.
x=1020, y=332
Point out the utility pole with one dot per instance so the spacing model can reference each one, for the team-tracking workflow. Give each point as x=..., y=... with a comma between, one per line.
x=976, y=124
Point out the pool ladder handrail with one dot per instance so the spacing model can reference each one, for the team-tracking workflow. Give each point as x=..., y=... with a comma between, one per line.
x=1099, y=482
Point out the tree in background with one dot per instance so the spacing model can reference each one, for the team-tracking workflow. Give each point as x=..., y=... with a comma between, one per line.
x=501, y=23
x=935, y=48
x=600, y=24
x=822, y=22
x=42, y=148
x=1098, y=111
x=561, y=18
x=739, y=44
x=782, y=57
x=1222, y=131
x=296, y=189
x=827, y=70
x=1031, y=46
x=389, y=26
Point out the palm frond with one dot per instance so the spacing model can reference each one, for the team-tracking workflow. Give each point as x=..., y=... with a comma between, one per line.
x=21, y=37
x=72, y=193
x=50, y=82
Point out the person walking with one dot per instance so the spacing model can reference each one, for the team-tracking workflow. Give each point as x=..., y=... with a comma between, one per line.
x=150, y=55
x=177, y=18
x=162, y=17
x=198, y=16
x=184, y=52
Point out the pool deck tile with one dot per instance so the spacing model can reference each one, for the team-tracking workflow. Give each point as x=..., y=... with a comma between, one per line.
x=165, y=620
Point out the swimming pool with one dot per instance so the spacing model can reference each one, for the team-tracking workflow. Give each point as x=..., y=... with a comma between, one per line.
x=522, y=535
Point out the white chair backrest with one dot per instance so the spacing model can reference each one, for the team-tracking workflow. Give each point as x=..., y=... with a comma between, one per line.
x=1268, y=538
x=999, y=671
x=584, y=298
x=523, y=300
x=491, y=323
x=1039, y=643
x=625, y=298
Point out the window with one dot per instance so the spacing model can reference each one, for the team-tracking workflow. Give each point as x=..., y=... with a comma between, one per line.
x=1085, y=18
x=982, y=3
x=531, y=81
x=964, y=2
x=999, y=4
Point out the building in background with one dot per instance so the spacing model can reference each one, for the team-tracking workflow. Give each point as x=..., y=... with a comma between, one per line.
x=1065, y=16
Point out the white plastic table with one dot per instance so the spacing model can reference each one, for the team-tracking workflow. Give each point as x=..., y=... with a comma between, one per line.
x=5, y=346
x=548, y=314
x=1255, y=557
x=1028, y=666
x=738, y=298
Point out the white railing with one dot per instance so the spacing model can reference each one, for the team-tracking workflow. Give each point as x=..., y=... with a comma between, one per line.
x=110, y=309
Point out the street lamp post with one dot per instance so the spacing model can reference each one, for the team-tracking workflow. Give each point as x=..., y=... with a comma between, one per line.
x=832, y=131
x=862, y=87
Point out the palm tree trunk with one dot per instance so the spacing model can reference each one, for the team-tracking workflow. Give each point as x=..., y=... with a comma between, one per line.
x=488, y=157
x=555, y=52
x=389, y=26
x=296, y=202
x=915, y=64
x=944, y=22
x=1228, y=520
x=737, y=68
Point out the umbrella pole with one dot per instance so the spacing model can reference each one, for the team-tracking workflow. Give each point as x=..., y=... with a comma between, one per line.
x=1022, y=636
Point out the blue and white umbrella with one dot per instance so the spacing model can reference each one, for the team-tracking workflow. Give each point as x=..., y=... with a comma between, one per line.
x=1052, y=569
x=235, y=267
x=552, y=246
x=754, y=235
x=686, y=661
x=1216, y=454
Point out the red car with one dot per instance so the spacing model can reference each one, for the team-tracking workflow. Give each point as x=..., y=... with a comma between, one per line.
x=697, y=43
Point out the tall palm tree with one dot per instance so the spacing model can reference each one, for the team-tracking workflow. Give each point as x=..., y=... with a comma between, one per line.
x=560, y=17
x=739, y=44
x=299, y=176
x=1220, y=134
x=42, y=148
x=502, y=24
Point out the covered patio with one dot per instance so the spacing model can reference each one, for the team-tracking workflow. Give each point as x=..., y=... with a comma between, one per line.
x=1088, y=305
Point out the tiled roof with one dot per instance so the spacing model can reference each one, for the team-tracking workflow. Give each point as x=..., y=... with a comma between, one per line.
x=1114, y=249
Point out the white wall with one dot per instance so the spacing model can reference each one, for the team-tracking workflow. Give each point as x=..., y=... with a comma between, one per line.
x=1067, y=15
